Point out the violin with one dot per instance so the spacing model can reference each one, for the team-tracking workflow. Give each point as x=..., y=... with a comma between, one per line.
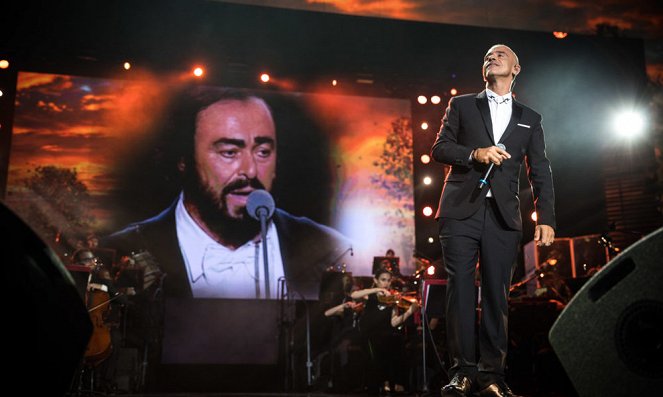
x=396, y=298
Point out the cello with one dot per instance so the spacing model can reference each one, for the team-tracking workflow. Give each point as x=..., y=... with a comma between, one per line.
x=97, y=302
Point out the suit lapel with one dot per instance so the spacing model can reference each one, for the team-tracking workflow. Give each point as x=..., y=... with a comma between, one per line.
x=516, y=114
x=482, y=104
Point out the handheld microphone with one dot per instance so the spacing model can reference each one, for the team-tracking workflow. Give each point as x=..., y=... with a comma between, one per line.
x=484, y=179
x=260, y=204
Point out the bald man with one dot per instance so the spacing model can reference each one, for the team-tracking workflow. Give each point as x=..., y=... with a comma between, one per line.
x=479, y=217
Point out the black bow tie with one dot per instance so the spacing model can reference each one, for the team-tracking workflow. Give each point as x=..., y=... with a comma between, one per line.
x=499, y=100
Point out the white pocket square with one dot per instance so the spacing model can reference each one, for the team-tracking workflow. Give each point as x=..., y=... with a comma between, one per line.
x=523, y=125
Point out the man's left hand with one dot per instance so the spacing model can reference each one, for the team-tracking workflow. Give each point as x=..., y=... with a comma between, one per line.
x=544, y=235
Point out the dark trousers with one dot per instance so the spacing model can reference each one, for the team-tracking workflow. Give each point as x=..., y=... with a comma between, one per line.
x=482, y=238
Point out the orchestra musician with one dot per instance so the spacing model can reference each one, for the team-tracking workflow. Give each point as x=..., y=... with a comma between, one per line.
x=383, y=340
x=101, y=299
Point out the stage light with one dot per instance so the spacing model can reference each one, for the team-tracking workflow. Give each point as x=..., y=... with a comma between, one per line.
x=629, y=123
x=428, y=211
x=453, y=91
x=334, y=83
x=127, y=66
x=424, y=125
x=425, y=159
x=431, y=270
x=422, y=99
x=428, y=180
x=560, y=35
x=1, y=93
x=533, y=216
x=4, y=64
x=435, y=99
x=198, y=71
x=431, y=240
x=264, y=78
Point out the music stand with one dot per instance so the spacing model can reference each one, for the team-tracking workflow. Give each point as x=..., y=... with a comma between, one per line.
x=382, y=261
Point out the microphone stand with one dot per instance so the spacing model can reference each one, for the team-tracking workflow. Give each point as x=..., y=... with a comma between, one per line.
x=262, y=213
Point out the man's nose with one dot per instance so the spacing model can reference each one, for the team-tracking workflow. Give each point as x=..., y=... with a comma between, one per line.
x=248, y=167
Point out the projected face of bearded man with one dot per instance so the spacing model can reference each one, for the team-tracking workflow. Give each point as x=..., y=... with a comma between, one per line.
x=234, y=153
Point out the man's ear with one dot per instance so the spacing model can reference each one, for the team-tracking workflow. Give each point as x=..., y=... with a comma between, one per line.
x=516, y=70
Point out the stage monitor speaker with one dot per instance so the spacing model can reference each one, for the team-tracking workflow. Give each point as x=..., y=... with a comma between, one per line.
x=609, y=338
x=46, y=323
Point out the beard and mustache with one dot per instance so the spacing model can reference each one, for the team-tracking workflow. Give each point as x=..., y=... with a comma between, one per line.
x=214, y=211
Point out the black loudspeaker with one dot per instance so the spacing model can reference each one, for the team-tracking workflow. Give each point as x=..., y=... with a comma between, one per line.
x=46, y=324
x=609, y=338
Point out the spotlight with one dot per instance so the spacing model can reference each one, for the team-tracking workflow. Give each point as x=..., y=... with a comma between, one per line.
x=431, y=240
x=4, y=64
x=533, y=216
x=428, y=180
x=453, y=91
x=198, y=71
x=1, y=93
x=424, y=125
x=334, y=83
x=127, y=66
x=425, y=159
x=629, y=123
x=431, y=270
x=422, y=99
x=264, y=77
x=428, y=211
x=435, y=99
x=560, y=35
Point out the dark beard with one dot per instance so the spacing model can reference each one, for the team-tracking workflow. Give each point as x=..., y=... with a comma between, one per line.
x=215, y=214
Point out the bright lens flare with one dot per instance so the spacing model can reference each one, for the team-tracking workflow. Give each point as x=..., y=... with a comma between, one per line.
x=629, y=123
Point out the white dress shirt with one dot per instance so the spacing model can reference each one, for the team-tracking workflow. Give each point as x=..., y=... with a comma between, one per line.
x=500, y=114
x=215, y=271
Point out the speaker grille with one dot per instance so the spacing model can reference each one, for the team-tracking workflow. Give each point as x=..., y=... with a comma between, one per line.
x=639, y=337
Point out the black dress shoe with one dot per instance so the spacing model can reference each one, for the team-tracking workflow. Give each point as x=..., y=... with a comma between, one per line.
x=460, y=386
x=497, y=390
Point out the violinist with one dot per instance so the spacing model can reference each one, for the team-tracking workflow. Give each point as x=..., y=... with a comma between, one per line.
x=383, y=340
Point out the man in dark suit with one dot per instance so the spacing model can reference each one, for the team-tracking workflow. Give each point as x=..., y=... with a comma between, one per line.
x=479, y=215
x=206, y=242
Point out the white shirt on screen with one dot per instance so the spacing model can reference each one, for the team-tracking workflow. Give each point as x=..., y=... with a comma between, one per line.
x=215, y=271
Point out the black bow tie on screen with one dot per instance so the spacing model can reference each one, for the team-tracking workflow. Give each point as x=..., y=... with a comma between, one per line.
x=498, y=99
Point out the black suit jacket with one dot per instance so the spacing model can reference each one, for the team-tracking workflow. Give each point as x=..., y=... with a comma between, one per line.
x=307, y=249
x=466, y=125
